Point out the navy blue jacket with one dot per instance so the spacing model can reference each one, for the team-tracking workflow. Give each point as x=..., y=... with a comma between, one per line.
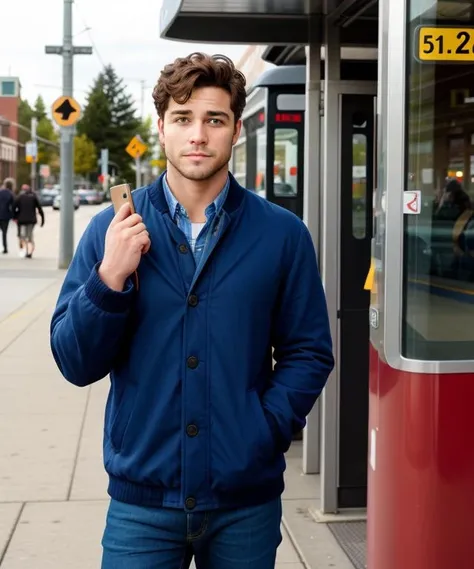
x=6, y=204
x=197, y=417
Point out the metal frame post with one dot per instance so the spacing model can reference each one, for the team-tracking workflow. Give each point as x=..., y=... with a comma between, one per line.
x=311, y=207
x=330, y=263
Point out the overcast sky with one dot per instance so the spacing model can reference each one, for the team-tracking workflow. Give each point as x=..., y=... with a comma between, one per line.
x=125, y=34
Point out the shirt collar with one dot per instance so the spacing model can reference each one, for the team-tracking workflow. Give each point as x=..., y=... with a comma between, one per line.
x=177, y=209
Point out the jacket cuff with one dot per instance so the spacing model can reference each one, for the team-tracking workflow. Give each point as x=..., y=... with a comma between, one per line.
x=105, y=298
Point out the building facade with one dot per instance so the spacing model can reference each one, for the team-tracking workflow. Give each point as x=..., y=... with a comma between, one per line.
x=9, y=105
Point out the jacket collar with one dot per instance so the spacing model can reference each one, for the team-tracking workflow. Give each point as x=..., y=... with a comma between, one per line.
x=234, y=198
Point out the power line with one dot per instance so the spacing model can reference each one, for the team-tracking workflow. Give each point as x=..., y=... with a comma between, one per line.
x=26, y=129
x=91, y=39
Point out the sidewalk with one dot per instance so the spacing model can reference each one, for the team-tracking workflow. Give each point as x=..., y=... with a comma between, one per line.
x=52, y=484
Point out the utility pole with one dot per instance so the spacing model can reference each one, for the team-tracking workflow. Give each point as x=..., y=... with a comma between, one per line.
x=66, y=239
x=142, y=105
x=66, y=220
x=138, y=173
x=34, y=140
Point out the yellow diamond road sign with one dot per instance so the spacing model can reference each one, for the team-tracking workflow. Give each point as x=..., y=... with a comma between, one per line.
x=136, y=147
x=66, y=111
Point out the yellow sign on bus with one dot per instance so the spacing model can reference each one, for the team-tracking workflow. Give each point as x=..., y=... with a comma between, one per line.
x=446, y=44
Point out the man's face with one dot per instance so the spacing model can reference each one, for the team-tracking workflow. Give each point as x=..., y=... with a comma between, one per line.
x=198, y=137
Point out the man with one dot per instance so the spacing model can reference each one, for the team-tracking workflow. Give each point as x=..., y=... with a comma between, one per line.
x=197, y=420
x=24, y=211
x=6, y=210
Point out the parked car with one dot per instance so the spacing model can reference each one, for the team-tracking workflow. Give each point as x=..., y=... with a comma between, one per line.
x=47, y=195
x=57, y=201
x=90, y=196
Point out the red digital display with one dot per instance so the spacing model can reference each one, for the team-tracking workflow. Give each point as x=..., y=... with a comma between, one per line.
x=289, y=117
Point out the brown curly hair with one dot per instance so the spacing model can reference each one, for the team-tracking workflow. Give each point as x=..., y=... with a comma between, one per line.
x=178, y=79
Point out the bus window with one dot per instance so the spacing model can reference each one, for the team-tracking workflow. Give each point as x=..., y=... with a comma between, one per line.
x=239, y=163
x=285, y=171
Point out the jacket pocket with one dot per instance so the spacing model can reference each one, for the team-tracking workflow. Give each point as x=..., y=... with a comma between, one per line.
x=243, y=450
x=122, y=419
x=266, y=444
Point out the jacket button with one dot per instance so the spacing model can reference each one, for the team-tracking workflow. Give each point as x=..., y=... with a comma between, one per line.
x=190, y=503
x=192, y=430
x=183, y=248
x=193, y=300
x=192, y=362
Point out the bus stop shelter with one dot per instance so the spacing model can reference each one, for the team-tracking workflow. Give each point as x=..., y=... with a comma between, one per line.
x=321, y=29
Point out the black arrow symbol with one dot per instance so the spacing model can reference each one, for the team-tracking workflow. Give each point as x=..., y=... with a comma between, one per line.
x=65, y=109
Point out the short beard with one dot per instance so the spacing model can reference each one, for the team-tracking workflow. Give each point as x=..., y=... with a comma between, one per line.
x=201, y=176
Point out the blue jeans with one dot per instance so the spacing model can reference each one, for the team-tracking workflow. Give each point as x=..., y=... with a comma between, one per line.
x=136, y=537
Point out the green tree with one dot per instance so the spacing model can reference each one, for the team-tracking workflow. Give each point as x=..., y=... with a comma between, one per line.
x=25, y=114
x=40, y=108
x=47, y=153
x=145, y=130
x=109, y=120
x=85, y=156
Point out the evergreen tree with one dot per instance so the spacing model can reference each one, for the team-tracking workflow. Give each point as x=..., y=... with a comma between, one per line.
x=40, y=109
x=109, y=120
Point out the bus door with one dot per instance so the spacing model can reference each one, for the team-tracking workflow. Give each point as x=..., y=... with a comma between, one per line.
x=357, y=182
x=285, y=152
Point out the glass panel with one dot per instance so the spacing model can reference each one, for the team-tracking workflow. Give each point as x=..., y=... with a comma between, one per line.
x=261, y=162
x=359, y=185
x=438, y=311
x=285, y=166
x=292, y=102
x=240, y=163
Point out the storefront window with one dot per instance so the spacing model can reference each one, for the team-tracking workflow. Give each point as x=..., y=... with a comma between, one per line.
x=438, y=319
x=240, y=163
x=285, y=171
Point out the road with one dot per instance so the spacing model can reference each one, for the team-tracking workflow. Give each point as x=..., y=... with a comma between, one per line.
x=52, y=484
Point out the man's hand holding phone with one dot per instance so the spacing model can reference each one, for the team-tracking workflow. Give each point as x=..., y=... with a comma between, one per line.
x=126, y=240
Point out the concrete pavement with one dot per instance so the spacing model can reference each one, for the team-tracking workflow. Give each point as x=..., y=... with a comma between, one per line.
x=53, y=497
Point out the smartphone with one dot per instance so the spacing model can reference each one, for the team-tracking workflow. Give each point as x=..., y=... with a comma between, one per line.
x=121, y=194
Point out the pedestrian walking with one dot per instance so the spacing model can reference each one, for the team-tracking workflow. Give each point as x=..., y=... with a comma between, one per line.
x=6, y=210
x=26, y=209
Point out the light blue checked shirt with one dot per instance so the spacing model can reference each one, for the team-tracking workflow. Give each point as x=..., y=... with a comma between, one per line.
x=179, y=215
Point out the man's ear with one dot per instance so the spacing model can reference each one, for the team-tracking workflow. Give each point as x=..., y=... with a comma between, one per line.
x=237, y=129
x=161, y=132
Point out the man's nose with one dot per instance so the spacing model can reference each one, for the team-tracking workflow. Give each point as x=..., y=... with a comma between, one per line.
x=198, y=134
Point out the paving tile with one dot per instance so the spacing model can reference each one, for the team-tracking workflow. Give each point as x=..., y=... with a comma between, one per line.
x=8, y=517
x=58, y=535
x=37, y=454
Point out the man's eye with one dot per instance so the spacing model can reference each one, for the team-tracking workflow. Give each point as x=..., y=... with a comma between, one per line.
x=181, y=119
x=216, y=121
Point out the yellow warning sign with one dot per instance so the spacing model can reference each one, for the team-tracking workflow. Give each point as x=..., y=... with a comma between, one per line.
x=369, y=281
x=136, y=147
x=66, y=111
